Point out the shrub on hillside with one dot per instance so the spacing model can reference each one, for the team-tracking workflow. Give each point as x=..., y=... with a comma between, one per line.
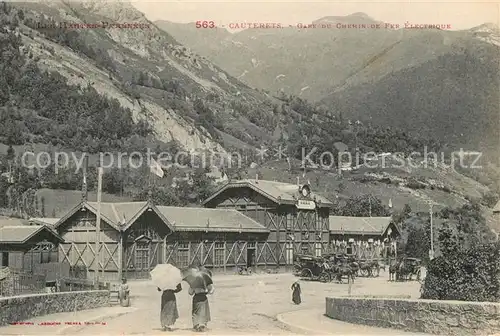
x=464, y=271
x=466, y=275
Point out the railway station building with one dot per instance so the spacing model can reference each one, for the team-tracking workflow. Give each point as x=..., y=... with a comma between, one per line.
x=297, y=218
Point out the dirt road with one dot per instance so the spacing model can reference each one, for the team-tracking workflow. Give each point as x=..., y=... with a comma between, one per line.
x=241, y=304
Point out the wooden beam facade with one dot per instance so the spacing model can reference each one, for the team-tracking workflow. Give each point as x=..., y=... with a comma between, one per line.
x=134, y=252
x=293, y=231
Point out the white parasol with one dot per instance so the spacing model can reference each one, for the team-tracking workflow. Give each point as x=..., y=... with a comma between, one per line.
x=166, y=276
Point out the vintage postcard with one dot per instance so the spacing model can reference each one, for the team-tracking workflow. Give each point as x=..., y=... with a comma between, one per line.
x=249, y=167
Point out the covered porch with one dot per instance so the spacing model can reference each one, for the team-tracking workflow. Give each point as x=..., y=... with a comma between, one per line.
x=26, y=253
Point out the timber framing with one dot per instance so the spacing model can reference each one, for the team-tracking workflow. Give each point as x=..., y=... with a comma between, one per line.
x=136, y=236
x=294, y=229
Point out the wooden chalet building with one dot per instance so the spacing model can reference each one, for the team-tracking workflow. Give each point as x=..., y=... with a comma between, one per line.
x=366, y=237
x=136, y=236
x=296, y=217
x=24, y=247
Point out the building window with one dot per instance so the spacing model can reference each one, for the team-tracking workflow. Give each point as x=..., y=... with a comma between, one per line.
x=318, y=249
x=289, y=222
x=5, y=259
x=182, y=254
x=219, y=254
x=289, y=253
x=44, y=257
x=142, y=257
x=305, y=235
x=47, y=252
x=319, y=223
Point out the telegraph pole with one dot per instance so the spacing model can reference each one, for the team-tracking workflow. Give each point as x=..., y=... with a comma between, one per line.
x=370, y=202
x=98, y=226
x=431, y=252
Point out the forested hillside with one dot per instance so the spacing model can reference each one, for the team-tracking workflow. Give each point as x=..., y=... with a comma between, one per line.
x=121, y=90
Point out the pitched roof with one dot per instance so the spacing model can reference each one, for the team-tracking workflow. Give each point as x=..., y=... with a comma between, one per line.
x=359, y=225
x=278, y=192
x=13, y=222
x=20, y=234
x=44, y=221
x=497, y=207
x=117, y=215
x=215, y=220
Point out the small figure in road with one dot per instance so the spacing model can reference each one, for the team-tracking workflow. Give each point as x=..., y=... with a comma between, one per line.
x=296, y=293
x=201, y=309
x=124, y=293
x=169, y=313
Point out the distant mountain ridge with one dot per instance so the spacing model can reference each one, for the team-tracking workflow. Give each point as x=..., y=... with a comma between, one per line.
x=153, y=75
x=330, y=66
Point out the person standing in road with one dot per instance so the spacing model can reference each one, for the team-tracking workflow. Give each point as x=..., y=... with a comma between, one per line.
x=169, y=313
x=124, y=293
x=296, y=293
x=201, y=309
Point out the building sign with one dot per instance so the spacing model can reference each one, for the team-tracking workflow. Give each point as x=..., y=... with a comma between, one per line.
x=306, y=205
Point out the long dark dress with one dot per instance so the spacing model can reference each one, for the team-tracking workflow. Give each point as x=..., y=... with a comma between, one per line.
x=169, y=313
x=201, y=310
x=296, y=293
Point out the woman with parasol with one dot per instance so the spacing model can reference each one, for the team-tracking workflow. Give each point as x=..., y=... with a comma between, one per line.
x=169, y=313
x=200, y=281
x=167, y=278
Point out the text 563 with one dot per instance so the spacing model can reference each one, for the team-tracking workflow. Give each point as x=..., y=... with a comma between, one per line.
x=205, y=24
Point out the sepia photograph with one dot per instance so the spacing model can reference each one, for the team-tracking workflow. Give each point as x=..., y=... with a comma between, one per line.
x=247, y=167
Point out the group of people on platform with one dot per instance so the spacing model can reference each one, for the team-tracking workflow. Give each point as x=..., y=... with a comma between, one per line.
x=200, y=308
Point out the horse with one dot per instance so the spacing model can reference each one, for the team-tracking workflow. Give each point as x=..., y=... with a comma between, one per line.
x=393, y=271
x=342, y=270
x=366, y=267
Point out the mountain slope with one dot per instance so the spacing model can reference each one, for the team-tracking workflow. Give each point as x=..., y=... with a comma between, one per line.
x=405, y=78
x=455, y=97
x=183, y=96
x=301, y=57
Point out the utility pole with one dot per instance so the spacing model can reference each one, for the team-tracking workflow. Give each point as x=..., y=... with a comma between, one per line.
x=370, y=202
x=431, y=252
x=98, y=226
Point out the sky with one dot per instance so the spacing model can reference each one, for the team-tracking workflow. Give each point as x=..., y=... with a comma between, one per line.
x=458, y=14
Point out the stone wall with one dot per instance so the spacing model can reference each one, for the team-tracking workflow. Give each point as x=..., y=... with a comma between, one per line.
x=24, y=307
x=427, y=316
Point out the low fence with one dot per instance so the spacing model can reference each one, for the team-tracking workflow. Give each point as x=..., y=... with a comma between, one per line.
x=52, y=271
x=76, y=284
x=17, y=283
x=427, y=316
x=21, y=308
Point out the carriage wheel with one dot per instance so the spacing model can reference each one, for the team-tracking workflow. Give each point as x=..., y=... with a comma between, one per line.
x=306, y=273
x=324, y=277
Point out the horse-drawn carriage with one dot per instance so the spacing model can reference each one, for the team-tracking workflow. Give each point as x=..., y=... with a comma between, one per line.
x=405, y=268
x=312, y=268
x=369, y=268
x=326, y=268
